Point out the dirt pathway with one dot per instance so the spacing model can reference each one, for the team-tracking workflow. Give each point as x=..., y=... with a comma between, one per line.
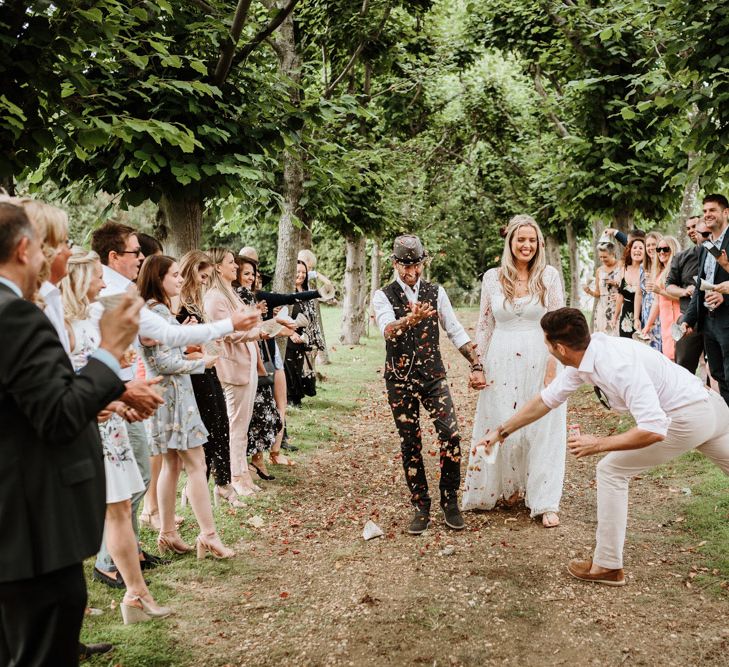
x=319, y=595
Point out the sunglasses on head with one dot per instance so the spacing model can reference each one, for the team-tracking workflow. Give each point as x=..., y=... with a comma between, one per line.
x=663, y=249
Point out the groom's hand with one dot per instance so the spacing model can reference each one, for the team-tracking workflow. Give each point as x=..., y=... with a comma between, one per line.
x=419, y=311
x=583, y=445
x=477, y=380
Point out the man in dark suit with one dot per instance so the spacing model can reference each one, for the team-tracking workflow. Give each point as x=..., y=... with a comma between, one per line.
x=52, y=490
x=708, y=311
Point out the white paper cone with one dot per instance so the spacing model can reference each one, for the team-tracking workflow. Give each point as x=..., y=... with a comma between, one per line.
x=371, y=530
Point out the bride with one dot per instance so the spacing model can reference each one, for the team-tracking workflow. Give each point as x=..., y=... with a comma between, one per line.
x=516, y=363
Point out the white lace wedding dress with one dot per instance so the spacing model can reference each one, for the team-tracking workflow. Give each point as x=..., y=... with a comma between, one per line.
x=511, y=347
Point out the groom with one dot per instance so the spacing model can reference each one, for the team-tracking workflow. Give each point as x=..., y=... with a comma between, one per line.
x=408, y=311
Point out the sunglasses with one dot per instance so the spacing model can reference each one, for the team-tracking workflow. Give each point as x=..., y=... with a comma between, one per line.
x=663, y=250
x=601, y=397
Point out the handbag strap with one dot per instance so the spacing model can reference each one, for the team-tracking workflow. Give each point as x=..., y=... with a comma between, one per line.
x=266, y=353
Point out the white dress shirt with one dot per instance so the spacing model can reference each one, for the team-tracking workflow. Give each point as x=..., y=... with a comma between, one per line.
x=710, y=261
x=51, y=295
x=634, y=378
x=153, y=326
x=385, y=314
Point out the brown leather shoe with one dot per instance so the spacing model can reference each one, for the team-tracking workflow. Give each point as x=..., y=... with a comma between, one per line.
x=580, y=569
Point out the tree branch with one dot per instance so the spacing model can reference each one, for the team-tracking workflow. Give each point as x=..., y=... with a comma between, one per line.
x=228, y=50
x=365, y=6
x=558, y=124
x=264, y=34
x=204, y=6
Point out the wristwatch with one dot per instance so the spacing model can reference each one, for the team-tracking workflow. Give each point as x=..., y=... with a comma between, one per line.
x=502, y=432
x=476, y=367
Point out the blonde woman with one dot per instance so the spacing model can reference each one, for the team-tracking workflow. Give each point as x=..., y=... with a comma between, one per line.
x=197, y=269
x=237, y=366
x=52, y=225
x=647, y=284
x=514, y=297
x=80, y=288
x=665, y=308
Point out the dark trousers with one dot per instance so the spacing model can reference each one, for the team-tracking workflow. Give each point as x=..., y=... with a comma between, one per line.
x=405, y=399
x=40, y=619
x=689, y=350
x=214, y=414
x=716, y=345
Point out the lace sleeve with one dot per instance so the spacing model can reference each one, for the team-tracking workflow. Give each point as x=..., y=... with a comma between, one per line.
x=486, y=322
x=555, y=295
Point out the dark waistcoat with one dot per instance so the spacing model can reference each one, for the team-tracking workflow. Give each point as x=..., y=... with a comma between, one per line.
x=415, y=353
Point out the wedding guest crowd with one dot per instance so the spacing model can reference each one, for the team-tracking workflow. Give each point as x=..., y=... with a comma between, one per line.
x=142, y=367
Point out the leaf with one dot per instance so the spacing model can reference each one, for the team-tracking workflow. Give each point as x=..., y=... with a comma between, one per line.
x=198, y=66
x=627, y=113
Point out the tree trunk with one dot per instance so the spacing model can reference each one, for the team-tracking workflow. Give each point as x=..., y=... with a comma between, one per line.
x=552, y=251
x=623, y=220
x=355, y=274
x=289, y=235
x=7, y=183
x=306, y=242
x=575, y=289
x=375, y=279
x=597, y=228
x=182, y=215
x=688, y=203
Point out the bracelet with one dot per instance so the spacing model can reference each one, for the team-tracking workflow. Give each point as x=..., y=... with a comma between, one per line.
x=476, y=367
x=504, y=434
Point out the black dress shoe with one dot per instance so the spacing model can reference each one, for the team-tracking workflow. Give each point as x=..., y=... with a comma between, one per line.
x=150, y=561
x=111, y=582
x=261, y=474
x=453, y=516
x=85, y=651
x=419, y=523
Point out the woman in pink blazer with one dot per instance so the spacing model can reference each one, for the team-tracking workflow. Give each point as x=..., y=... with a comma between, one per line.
x=236, y=366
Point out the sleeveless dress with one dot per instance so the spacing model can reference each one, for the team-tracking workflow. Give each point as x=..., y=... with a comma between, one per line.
x=511, y=347
x=626, y=327
x=605, y=310
x=123, y=479
x=176, y=424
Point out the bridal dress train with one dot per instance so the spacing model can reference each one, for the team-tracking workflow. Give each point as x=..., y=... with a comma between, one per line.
x=512, y=349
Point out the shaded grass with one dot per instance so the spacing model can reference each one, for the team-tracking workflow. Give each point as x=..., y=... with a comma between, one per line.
x=161, y=643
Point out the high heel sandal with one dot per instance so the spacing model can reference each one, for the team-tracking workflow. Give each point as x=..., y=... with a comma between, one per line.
x=133, y=613
x=204, y=547
x=274, y=457
x=261, y=474
x=173, y=543
x=150, y=519
x=227, y=494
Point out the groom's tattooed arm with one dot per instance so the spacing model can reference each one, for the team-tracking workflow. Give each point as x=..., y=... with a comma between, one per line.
x=468, y=350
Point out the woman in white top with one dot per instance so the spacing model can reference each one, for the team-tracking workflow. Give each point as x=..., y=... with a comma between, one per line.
x=80, y=288
x=516, y=363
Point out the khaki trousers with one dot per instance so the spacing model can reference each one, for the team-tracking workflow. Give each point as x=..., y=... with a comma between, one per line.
x=703, y=426
x=239, y=400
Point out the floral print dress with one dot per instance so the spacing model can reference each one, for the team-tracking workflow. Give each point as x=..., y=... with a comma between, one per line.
x=176, y=424
x=123, y=479
x=645, y=310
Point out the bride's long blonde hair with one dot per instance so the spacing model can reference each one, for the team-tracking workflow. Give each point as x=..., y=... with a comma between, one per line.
x=75, y=284
x=508, y=274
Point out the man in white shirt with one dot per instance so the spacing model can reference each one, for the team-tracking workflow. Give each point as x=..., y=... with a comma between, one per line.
x=408, y=311
x=121, y=257
x=673, y=411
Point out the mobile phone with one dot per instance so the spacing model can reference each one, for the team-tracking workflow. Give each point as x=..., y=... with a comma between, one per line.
x=711, y=248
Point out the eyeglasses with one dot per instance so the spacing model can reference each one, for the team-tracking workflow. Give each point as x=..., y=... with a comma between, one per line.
x=136, y=252
x=601, y=397
x=663, y=250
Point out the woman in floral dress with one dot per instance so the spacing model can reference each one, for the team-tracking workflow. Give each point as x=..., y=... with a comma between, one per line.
x=80, y=288
x=176, y=428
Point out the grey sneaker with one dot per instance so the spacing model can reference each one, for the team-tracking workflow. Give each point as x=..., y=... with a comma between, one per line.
x=419, y=523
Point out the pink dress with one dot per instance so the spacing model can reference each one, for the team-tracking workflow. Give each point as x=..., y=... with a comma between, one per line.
x=668, y=311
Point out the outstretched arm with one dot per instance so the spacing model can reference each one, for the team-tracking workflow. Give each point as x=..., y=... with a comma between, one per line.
x=535, y=409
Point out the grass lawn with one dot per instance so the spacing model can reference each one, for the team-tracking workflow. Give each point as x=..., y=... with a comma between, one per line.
x=153, y=644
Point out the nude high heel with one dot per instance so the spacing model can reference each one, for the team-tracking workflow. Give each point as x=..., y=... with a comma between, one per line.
x=204, y=546
x=228, y=495
x=173, y=543
x=141, y=612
